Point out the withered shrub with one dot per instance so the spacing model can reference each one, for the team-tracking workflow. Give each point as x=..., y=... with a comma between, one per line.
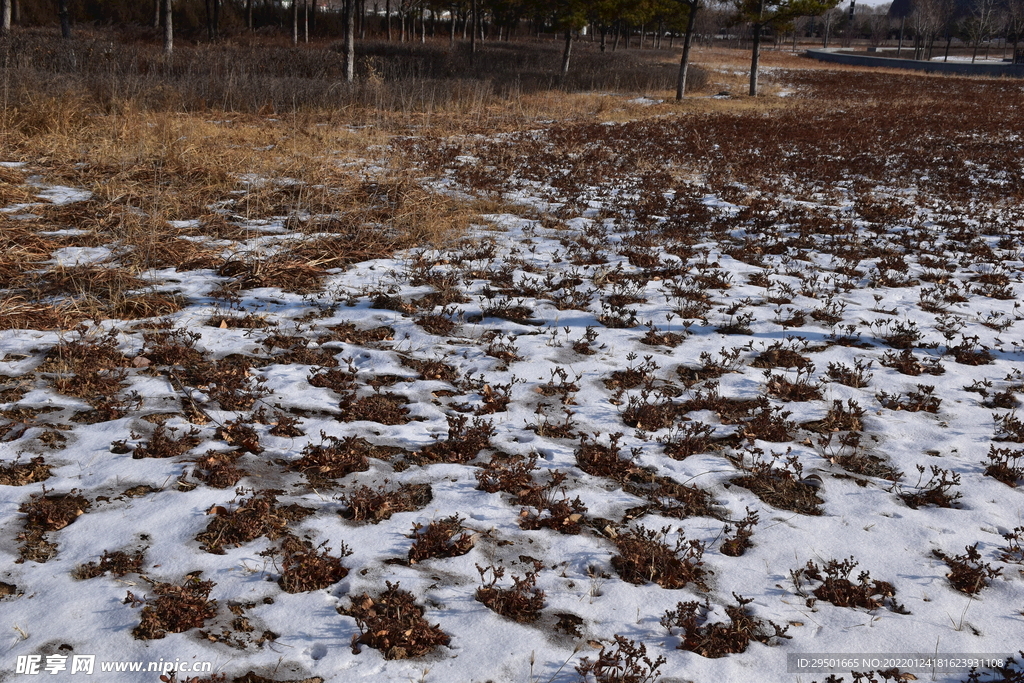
x=393, y=623
x=719, y=639
x=645, y=557
x=305, y=568
x=175, y=608
x=522, y=602
x=254, y=517
x=442, y=538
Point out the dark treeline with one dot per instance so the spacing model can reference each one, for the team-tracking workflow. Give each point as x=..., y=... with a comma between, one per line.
x=614, y=21
x=921, y=29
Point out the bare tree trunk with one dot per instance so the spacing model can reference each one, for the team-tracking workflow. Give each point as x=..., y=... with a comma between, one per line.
x=451, y=15
x=473, y=31
x=755, y=50
x=209, y=19
x=567, y=53
x=305, y=21
x=350, y=40
x=899, y=47
x=387, y=17
x=168, y=26
x=248, y=15
x=295, y=22
x=684, y=63
x=157, y=6
x=65, y=18
x=5, y=17
x=754, y=58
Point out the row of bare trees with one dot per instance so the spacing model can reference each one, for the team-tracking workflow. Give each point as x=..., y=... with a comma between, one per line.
x=613, y=22
x=608, y=24
x=977, y=23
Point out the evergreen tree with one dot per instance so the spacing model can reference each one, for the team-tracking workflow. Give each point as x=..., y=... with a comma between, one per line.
x=773, y=14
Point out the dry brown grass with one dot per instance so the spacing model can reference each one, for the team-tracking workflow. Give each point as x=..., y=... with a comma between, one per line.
x=145, y=169
x=20, y=313
x=147, y=161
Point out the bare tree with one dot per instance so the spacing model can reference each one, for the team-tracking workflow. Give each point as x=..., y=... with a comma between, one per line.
x=65, y=18
x=567, y=52
x=570, y=16
x=879, y=26
x=350, y=40
x=693, y=7
x=978, y=25
x=901, y=9
x=800, y=26
x=403, y=11
x=946, y=11
x=925, y=21
x=212, y=18
x=475, y=28
x=1014, y=22
x=943, y=15
x=168, y=26
x=711, y=21
x=829, y=20
x=5, y=17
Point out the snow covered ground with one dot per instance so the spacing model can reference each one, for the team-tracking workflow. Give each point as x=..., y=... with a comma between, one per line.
x=646, y=405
